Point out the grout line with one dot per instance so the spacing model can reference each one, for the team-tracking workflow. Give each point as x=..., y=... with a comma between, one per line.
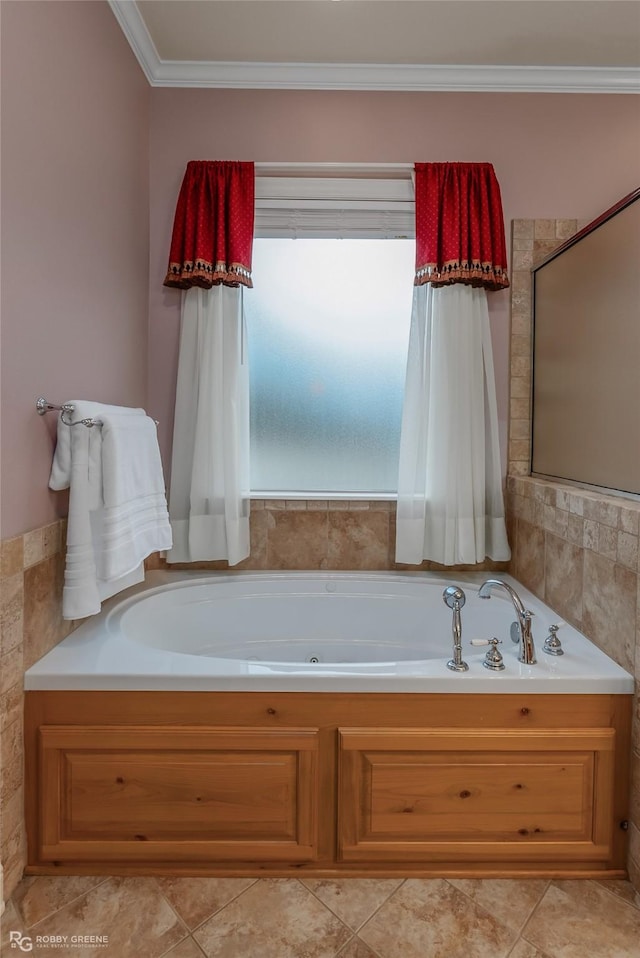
x=344, y=947
x=476, y=904
x=176, y=944
x=217, y=911
x=533, y=911
x=179, y=917
x=601, y=883
x=530, y=915
x=539, y=952
x=305, y=888
x=517, y=931
x=56, y=910
x=328, y=907
x=382, y=904
x=361, y=941
x=344, y=922
x=201, y=950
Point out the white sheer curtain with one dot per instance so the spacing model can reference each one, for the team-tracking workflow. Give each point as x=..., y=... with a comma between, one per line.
x=450, y=503
x=209, y=497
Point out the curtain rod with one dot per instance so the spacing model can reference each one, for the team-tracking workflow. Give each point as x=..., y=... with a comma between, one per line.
x=388, y=166
x=271, y=168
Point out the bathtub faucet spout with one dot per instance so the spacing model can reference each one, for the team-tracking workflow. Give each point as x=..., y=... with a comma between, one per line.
x=527, y=653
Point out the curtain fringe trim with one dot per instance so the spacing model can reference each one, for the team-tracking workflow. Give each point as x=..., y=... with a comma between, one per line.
x=485, y=275
x=206, y=275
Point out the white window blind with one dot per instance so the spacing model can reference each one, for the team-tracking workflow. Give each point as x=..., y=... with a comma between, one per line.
x=354, y=207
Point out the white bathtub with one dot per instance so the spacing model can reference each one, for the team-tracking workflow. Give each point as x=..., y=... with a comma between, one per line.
x=314, y=632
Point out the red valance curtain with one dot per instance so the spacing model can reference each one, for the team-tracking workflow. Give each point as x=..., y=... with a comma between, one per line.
x=459, y=226
x=213, y=226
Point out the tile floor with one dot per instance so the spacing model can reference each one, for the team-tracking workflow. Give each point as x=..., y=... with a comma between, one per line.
x=346, y=918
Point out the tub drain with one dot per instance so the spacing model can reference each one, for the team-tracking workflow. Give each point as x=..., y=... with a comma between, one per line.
x=313, y=658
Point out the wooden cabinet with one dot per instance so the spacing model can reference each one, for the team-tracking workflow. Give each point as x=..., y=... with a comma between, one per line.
x=188, y=794
x=326, y=784
x=431, y=794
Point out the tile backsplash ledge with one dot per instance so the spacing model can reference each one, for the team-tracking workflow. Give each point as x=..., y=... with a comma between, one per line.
x=331, y=534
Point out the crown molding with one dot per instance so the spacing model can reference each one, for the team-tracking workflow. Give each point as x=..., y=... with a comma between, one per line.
x=135, y=30
x=364, y=76
x=398, y=77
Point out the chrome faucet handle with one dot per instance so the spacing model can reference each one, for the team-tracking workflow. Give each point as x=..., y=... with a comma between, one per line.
x=493, y=659
x=552, y=644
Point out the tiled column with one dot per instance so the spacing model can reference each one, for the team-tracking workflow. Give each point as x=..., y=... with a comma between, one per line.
x=31, y=569
x=575, y=548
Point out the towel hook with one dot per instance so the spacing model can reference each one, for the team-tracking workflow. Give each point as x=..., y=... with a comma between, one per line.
x=44, y=406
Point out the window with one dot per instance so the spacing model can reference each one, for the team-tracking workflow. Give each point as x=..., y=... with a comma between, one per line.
x=328, y=323
x=328, y=328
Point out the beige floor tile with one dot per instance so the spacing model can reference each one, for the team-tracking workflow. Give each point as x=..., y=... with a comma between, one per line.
x=524, y=949
x=275, y=918
x=131, y=911
x=432, y=918
x=353, y=900
x=578, y=918
x=622, y=889
x=37, y=898
x=281, y=918
x=186, y=949
x=511, y=901
x=196, y=899
x=357, y=949
x=10, y=921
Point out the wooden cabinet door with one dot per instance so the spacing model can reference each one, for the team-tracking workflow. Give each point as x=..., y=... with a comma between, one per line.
x=149, y=794
x=475, y=795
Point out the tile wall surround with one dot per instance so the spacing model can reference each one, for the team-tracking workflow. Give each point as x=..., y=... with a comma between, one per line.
x=323, y=534
x=31, y=623
x=576, y=549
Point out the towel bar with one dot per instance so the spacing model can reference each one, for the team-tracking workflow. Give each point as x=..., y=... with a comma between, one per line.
x=44, y=406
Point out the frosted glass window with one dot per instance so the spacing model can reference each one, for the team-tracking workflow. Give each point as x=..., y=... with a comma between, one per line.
x=328, y=330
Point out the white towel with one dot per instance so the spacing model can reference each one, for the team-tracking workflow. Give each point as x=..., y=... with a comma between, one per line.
x=117, y=506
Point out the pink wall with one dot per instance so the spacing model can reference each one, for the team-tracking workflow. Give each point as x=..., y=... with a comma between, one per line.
x=78, y=165
x=557, y=156
x=75, y=244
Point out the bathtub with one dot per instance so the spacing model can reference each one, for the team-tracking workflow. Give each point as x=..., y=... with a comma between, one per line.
x=315, y=631
x=252, y=724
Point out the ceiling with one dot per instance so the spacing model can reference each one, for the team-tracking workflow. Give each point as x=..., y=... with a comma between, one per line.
x=387, y=44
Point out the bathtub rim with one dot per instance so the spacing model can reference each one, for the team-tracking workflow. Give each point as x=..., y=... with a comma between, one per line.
x=72, y=663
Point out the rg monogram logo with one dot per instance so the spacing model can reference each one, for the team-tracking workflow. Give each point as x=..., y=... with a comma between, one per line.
x=18, y=940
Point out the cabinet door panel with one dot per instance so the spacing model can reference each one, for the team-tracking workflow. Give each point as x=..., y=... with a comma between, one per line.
x=178, y=794
x=439, y=796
